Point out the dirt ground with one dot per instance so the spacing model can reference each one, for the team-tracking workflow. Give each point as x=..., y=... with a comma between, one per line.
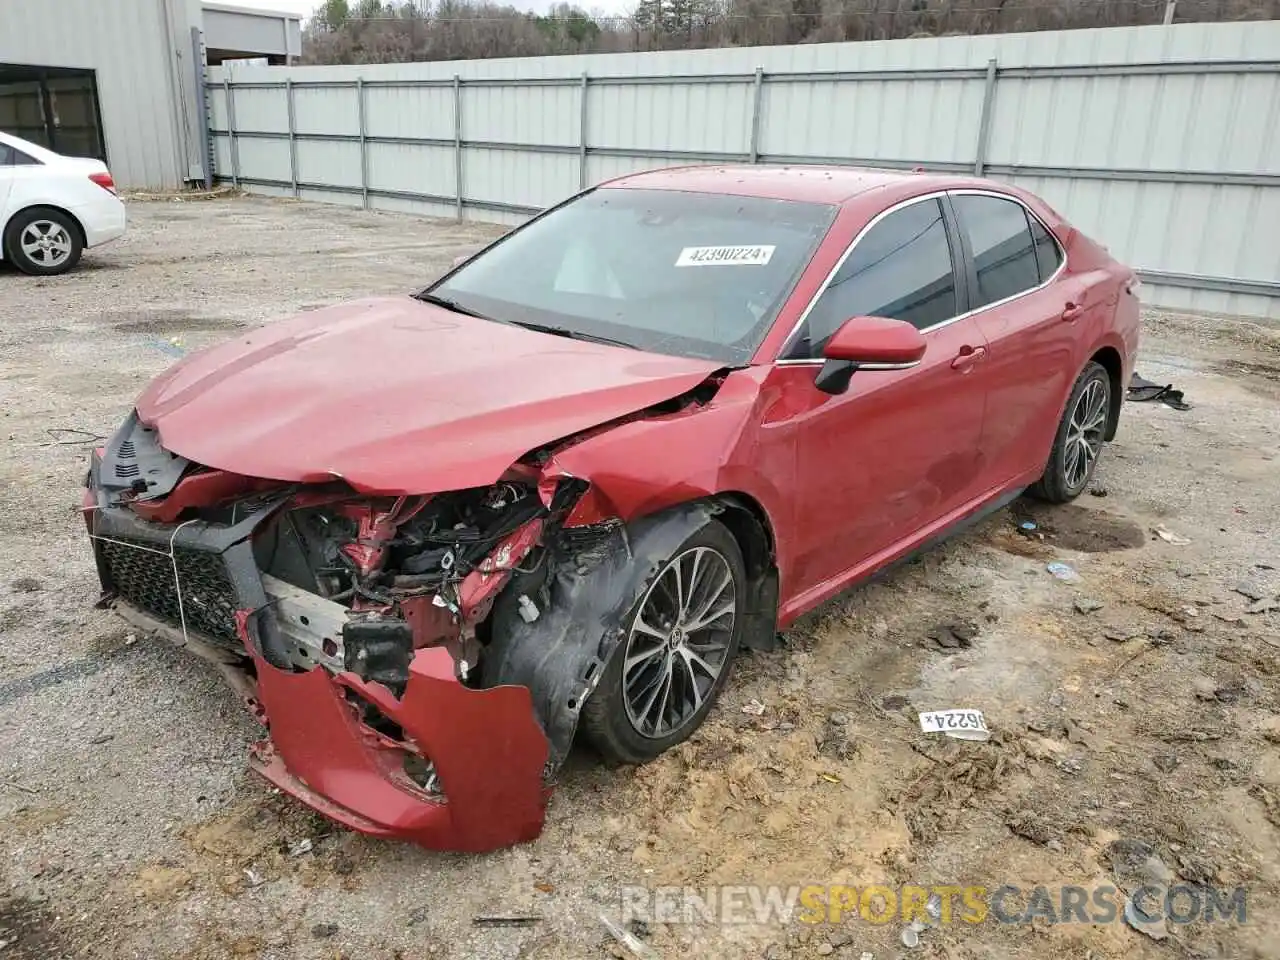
x=1135, y=710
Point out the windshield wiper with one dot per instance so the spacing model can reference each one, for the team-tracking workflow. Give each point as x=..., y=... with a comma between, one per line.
x=571, y=334
x=452, y=305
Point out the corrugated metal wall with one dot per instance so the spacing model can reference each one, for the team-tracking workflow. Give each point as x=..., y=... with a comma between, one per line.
x=1161, y=142
x=127, y=45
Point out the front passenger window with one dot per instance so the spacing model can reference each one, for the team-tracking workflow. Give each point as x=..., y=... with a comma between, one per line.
x=900, y=269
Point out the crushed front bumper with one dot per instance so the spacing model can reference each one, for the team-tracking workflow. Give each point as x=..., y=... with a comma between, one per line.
x=486, y=747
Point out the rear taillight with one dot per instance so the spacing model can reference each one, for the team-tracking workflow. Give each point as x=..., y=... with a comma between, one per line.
x=104, y=181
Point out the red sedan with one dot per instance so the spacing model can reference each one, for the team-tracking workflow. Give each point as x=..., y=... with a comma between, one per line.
x=431, y=537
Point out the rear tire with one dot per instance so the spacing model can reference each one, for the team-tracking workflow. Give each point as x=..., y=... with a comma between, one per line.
x=43, y=241
x=1078, y=443
x=659, y=685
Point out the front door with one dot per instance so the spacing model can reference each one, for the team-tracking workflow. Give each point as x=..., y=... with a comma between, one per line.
x=898, y=450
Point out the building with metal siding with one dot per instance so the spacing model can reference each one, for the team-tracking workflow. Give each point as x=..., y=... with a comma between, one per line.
x=122, y=79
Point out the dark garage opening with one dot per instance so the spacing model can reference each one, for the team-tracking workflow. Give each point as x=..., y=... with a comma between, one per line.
x=55, y=107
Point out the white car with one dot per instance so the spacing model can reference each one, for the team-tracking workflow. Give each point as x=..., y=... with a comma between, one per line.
x=52, y=207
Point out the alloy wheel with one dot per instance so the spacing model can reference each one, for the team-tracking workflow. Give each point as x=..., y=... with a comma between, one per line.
x=45, y=243
x=679, y=642
x=1084, y=433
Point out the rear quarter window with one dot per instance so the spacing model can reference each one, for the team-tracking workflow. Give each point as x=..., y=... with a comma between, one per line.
x=1004, y=255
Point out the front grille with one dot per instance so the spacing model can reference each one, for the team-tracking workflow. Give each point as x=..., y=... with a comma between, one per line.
x=145, y=578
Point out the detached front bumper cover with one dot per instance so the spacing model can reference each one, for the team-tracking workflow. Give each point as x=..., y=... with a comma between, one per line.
x=488, y=751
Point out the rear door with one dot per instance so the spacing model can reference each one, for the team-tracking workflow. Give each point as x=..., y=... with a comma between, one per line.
x=1029, y=320
x=899, y=449
x=6, y=182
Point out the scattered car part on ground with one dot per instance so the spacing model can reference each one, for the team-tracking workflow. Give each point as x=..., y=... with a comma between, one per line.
x=429, y=538
x=1145, y=391
x=53, y=207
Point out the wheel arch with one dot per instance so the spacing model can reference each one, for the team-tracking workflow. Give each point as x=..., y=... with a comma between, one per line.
x=1109, y=359
x=749, y=523
x=4, y=231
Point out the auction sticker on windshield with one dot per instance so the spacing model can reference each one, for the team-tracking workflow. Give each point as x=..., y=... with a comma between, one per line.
x=756, y=256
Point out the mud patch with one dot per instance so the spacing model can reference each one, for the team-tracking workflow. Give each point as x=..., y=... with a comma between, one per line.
x=1072, y=527
x=1260, y=378
x=11, y=618
x=161, y=321
x=1232, y=368
x=28, y=821
x=26, y=931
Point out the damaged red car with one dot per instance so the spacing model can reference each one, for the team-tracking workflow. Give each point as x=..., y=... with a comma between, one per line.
x=430, y=538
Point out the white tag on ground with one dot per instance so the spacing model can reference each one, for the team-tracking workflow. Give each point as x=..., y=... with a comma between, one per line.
x=961, y=724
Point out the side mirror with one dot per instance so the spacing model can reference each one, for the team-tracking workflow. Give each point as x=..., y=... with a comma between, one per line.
x=868, y=343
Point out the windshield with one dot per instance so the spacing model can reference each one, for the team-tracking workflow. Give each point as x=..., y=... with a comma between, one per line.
x=691, y=274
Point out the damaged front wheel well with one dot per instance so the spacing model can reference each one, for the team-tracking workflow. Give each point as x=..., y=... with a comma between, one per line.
x=747, y=520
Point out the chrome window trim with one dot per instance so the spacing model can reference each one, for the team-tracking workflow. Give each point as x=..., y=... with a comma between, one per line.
x=789, y=342
x=819, y=361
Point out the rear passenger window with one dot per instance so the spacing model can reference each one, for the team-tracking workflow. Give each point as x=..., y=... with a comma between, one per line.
x=900, y=269
x=13, y=157
x=1000, y=239
x=1048, y=256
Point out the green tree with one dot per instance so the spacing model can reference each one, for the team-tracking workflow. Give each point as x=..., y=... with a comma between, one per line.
x=333, y=14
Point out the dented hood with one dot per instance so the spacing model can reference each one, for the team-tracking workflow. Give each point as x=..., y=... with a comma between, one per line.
x=395, y=395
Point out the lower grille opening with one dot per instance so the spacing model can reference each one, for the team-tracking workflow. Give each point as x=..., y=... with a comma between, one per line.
x=144, y=578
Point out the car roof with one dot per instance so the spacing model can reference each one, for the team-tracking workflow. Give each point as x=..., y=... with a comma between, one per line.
x=814, y=184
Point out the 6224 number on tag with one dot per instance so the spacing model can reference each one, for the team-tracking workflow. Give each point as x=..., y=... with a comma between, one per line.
x=953, y=721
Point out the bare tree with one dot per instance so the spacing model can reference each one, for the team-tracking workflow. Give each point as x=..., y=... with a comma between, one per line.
x=386, y=31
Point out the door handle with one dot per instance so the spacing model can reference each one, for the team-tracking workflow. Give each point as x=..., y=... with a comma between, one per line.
x=967, y=357
x=1072, y=311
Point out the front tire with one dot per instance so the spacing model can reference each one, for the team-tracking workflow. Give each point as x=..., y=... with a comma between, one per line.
x=43, y=241
x=1078, y=443
x=669, y=668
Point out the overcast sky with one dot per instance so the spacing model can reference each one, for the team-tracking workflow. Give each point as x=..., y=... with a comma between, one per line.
x=304, y=7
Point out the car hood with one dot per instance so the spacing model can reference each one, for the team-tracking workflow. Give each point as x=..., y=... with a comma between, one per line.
x=394, y=395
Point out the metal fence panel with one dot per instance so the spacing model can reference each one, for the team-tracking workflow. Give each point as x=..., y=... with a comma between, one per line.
x=512, y=114
x=319, y=110
x=514, y=177
x=425, y=112
x=1161, y=142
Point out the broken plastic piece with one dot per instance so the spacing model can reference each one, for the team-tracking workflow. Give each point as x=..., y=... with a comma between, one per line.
x=628, y=939
x=1063, y=571
x=528, y=609
x=1168, y=536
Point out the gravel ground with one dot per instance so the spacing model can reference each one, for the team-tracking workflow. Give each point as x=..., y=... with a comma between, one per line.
x=130, y=828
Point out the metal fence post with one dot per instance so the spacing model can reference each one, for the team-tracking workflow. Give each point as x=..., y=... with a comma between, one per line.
x=293, y=135
x=457, y=141
x=232, y=147
x=582, y=134
x=202, y=98
x=756, y=96
x=364, y=155
x=984, y=123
